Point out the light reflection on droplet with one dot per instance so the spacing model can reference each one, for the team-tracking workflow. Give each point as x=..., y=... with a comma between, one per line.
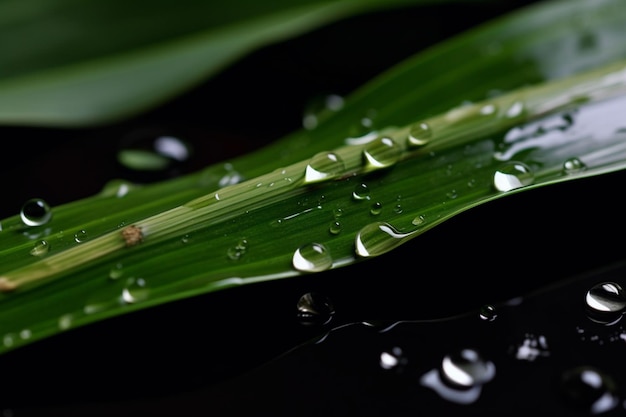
x=313, y=257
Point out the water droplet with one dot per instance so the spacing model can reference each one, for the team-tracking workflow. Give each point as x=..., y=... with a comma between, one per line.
x=335, y=227
x=573, y=166
x=467, y=368
x=314, y=309
x=605, y=302
x=512, y=175
x=419, y=220
x=393, y=359
x=516, y=109
x=376, y=208
x=35, y=212
x=589, y=388
x=323, y=166
x=80, y=236
x=381, y=153
x=338, y=212
x=313, y=257
x=41, y=248
x=235, y=253
x=8, y=340
x=488, y=312
x=488, y=109
x=116, y=271
x=361, y=192
x=318, y=109
x=135, y=291
x=25, y=334
x=152, y=154
x=66, y=321
x=377, y=238
x=530, y=348
x=185, y=239
x=420, y=134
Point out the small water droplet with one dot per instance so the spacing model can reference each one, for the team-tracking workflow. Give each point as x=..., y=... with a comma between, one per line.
x=317, y=109
x=135, y=291
x=335, y=227
x=419, y=220
x=314, y=309
x=605, y=302
x=80, y=236
x=377, y=238
x=338, y=212
x=573, y=166
x=66, y=321
x=185, y=239
x=35, y=212
x=235, y=253
x=589, y=388
x=467, y=368
x=393, y=359
x=41, y=248
x=452, y=194
x=488, y=312
x=116, y=271
x=512, y=175
x=381, y=153
x=313, y=257
x=376, y=208
x=420, y=134
x=25, y=334
x=530, y=348
x=361, y=192
x=323, y=166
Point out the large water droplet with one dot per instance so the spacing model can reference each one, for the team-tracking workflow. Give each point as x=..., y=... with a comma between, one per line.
x=35, y=212
x=323, y=166
x=381, y=153
x=605, y=302
x=314, y=309
x=313, y=257
x=420, y=134
x=467, y=368
x=589, y=388
x=512, y=175
x=377, y=238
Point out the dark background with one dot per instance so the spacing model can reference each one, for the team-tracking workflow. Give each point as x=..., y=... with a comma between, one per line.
x=229, y=359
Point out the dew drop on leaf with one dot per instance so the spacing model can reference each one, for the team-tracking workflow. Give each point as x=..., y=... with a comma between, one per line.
x=323, y=166
x=573, y=166
x=41, y=248
x=361, y=192
x=377, y=238
x=381, y=153
x=488, y=313
x=35, y=212
x=116, y=271
x=419, y=134
x=376, y=208
x=335, y=227
x=313, y=257
x=512, y=175
x=80, y=236
x=135, y=290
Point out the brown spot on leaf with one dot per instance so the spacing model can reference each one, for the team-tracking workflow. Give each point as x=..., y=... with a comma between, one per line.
x=132, y=235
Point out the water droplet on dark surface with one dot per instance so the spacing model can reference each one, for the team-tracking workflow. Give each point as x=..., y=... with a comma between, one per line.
x=314, y=309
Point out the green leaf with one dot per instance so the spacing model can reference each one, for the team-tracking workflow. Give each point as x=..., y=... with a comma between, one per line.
x=71, y=63
x=339, y=193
